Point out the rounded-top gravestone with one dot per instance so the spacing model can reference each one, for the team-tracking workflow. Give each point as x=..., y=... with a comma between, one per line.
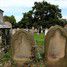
x=56, y=47
x=22, y=47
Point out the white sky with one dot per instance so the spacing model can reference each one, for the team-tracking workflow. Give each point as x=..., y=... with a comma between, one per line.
x=17, y=7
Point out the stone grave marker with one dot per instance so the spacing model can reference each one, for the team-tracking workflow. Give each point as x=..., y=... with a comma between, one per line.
x=14, y=31
x=56, y=47
x=22, y=47
x=46, y=30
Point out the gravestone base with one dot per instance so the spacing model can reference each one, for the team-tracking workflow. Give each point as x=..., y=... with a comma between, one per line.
x=26, y=64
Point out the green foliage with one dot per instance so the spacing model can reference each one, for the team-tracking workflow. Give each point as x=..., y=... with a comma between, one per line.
x=10, y=19
x=39, y=39
x=53, y=22
x=26, y=21
x=6, y=56
x=44, y=11
x=6, y=18
x=38, y=56
x=42, y=14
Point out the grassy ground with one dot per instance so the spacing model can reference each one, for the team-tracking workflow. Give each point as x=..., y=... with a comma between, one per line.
x=39, y=38
x=40, y=42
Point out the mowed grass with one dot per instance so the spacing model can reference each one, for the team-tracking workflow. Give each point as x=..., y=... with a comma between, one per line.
x=39, y=38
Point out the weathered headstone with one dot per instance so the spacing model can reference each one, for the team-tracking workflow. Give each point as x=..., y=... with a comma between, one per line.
x=56, y=47
x=22, y=47
x=36, y=30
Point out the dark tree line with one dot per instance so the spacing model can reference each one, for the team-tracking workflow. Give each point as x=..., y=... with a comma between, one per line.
x=42, y=14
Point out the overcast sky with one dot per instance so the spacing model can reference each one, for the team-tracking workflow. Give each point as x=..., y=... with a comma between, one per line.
x=18, y=7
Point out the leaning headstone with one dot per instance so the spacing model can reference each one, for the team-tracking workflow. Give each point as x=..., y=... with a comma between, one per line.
x=22, y=47
x=56, y=47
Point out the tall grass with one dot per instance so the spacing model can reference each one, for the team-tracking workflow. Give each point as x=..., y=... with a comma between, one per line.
x=39, y=38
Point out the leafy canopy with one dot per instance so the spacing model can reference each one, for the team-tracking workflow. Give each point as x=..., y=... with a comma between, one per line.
x=42, y=14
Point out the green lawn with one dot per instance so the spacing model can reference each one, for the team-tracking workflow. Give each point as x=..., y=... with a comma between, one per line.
x=39, y=39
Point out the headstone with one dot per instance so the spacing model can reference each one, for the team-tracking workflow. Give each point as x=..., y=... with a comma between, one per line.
x=65, y=27
x=8, y=24
x=22, y=47
x=56, y=47
x=41, y=31
x=46, y=30
x=18, y=29
x=32, y=28
x=36, y=30
x=14, y=31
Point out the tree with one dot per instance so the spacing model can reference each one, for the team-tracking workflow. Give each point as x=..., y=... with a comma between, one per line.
x=11, y=19
x=6, y=18
x=42, y=14
x=45, y=12
x=26, y=21
x=64, y=21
